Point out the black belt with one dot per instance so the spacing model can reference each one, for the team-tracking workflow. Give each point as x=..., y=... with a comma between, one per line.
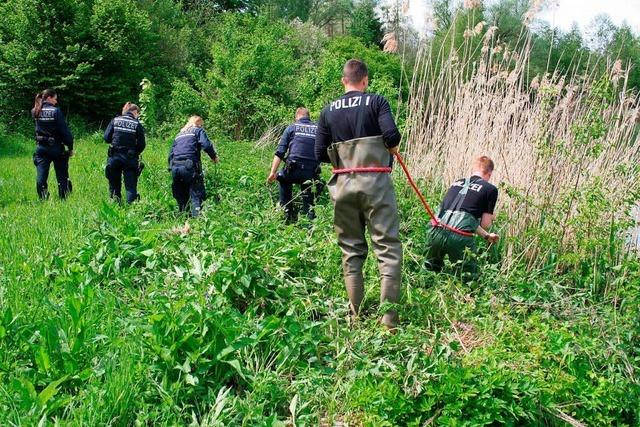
x=45, y=140
x=185, y=161
x=302, y=164
x=122, y=149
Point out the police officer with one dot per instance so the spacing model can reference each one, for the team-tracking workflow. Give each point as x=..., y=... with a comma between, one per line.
x=358, y=135
x=126, y=136
x=186, y=166
x=296, y=149
x=468, y=207
x=52, y=135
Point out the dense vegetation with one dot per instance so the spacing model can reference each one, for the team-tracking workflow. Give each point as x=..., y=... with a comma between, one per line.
x=246, y=64
x=127, y=315
x=134, y=315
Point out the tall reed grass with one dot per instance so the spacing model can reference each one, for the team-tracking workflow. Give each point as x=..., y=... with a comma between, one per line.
x=566, y=147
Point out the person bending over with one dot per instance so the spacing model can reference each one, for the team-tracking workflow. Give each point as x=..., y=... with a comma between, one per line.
x=469, y=207
x=296, y=149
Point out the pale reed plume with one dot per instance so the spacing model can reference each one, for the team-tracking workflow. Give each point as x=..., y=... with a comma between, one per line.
x=405, y=7
x=390, y=42
x=534, y=9
x=472, y=4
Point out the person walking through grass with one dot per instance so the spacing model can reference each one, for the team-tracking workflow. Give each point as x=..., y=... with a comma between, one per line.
x=126, y=136
x=296, y=149
x=52, y=136
x=468, y=207
x=358, y=135
x=186, y=165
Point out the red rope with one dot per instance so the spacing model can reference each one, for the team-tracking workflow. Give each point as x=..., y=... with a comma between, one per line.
x=362, y=170
x=435, y=221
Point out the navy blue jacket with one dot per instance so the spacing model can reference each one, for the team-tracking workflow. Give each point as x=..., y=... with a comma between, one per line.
x=189, y=143
x=298, y=141
x=51, y=124
x=125, y=132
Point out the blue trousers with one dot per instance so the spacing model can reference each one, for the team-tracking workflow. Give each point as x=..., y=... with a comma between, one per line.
x=188, y=183
x=120, y=166
x=305, y=176
x=42, y=159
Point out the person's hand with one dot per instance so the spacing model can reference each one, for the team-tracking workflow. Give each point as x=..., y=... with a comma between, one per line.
x=271, y=178
x=215, y=160
x=393, y=150
x=492, y=238
x=70, y=153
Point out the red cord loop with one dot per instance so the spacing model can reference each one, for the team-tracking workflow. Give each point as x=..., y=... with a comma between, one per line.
x=362, y=170
x=435, y=221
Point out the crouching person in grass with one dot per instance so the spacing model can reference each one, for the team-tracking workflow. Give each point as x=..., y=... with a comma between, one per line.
x=186, y=166
x=296, y=149
x=467, y=209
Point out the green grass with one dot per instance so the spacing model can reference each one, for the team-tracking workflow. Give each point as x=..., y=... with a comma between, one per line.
x=110, y=317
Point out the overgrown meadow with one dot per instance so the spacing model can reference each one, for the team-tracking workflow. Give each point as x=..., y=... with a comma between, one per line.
x=138, y=316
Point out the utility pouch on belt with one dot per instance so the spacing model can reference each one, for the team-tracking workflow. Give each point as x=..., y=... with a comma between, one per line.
x=45, y=140
x=184, y=163
x=359, y=153
x=292, y=166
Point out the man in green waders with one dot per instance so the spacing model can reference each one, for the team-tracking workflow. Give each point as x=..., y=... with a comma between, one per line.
x=357, y=135
x=468, y=208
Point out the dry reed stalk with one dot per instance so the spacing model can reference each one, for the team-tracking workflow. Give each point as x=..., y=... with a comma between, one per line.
x=271, y=136
x=460, y=108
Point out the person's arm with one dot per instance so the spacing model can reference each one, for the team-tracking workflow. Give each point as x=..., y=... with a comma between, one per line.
x=108, y=133
x=323, y=140
x=487, y=220
x=141, y=144
x=285, y=140
x=63, y=130
x=390, y=133
x=281, y=153
x=489, y=237
x=170, y=157
x=275, y=164
x=488, y=216
x=207, y=145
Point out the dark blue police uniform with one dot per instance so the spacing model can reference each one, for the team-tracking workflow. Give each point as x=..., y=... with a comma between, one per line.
x=186, y=167
x=52, y=135
x=296, y=148
x=126, y=136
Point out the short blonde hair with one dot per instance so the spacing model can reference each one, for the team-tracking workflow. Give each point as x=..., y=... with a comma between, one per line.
x=194, y=121
x=130, y=107
x=302, y=112
x=484, y=163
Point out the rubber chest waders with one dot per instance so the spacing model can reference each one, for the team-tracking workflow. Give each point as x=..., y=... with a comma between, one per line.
x=365, y=198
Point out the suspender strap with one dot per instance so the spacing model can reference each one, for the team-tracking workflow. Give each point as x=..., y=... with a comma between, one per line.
x=459, y=200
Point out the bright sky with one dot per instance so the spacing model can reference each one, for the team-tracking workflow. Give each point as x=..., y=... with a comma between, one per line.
x=563, y=15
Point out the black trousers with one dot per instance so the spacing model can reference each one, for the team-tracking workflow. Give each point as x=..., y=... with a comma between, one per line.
x=188, y=183
x=119, y=166
x=42, y=159
x=305, y=175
